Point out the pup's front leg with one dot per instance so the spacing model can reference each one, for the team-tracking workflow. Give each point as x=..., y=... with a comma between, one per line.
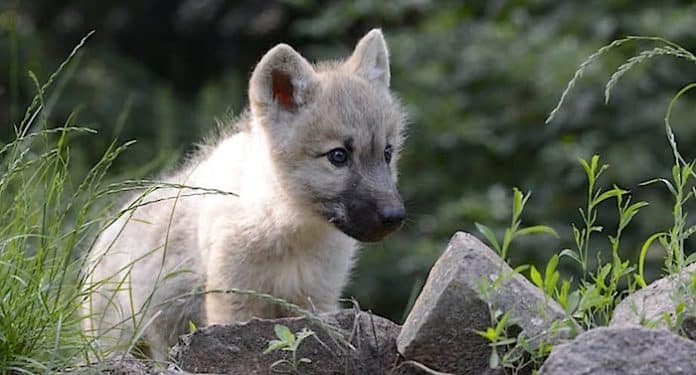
x=223, y=305
x=224, y=308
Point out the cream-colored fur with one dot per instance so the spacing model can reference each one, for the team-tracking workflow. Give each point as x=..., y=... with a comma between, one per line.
x=280, y=234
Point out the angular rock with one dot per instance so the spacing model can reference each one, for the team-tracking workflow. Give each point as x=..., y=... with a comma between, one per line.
x=648, y=305
x=623, y=351
x=439, y=332
x=238, y=348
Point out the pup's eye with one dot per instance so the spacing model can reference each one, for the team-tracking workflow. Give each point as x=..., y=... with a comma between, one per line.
x=338, y=156
x=388, y=153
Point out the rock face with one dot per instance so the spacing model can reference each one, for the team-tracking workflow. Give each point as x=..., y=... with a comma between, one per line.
x=238, y=348
x=439, y=331
x=623, y=351
x=648, y=305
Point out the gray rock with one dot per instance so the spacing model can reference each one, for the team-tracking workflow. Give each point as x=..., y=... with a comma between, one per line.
x=648, y=305
x=439, y=330
x=238, y=348
x=623, y=351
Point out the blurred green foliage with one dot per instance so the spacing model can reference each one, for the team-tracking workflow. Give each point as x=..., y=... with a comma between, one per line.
x=478, y=79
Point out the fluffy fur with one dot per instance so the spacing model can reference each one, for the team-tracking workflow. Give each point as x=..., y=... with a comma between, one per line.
x=291, y=230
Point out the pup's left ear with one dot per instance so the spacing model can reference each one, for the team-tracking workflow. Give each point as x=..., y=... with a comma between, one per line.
x=283, y=79
x=370, y=59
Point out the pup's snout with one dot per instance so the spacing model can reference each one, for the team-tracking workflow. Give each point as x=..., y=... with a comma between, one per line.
x=392, y=216
x=370, y=220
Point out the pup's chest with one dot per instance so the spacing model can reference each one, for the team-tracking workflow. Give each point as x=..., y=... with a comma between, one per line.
x=318, y=272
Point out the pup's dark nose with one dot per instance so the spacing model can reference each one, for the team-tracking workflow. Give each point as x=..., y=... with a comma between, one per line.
x=392, y=216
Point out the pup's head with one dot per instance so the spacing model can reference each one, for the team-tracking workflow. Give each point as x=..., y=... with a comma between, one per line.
x=334, y=133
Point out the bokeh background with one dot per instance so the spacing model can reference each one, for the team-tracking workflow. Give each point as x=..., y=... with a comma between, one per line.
x=477, y=77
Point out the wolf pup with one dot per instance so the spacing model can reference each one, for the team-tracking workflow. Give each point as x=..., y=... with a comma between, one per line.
x=313, y=166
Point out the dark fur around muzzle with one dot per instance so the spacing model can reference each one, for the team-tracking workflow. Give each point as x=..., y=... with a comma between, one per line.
x=367, y=213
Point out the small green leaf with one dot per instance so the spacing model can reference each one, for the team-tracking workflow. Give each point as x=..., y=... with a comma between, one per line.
x=615, y=192
x=517, y=202
x=274, y=345
x=573, y=301
x=595, y=162
x=536, y=277
x=551, y=276
x=639, y=279
x=537, y=229
x=593, y=299
x=643, y=254
x=284, y=334
x=488, y=334
x=562, y=294
x=551, y=282
x=551, y=266
x=507, y=238
x=577, y=234
x=687, y=170
x=637, y=206
x=490, y=236
x=521, y=268
x=666, y=182
x=690, y=259
x=491, y=334
x=500, y=327
x=603, y=272
x=582, y=214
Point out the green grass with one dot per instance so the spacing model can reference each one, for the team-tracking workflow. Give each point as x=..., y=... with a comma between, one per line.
x=50, y=215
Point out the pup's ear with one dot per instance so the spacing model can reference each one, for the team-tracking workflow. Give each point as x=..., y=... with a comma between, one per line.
x=282, y=79
x=371, y=58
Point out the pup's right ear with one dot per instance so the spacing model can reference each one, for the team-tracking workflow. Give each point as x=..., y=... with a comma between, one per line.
x=282, y=80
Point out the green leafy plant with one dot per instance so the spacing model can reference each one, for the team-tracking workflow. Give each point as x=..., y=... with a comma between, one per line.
x=512, y=350
x=550, y=279
x=509, y=351
x=599, y=290
x=498, y=339
x=603, y=283
x=515, y=230
x=290, y=342
x=672, y=240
